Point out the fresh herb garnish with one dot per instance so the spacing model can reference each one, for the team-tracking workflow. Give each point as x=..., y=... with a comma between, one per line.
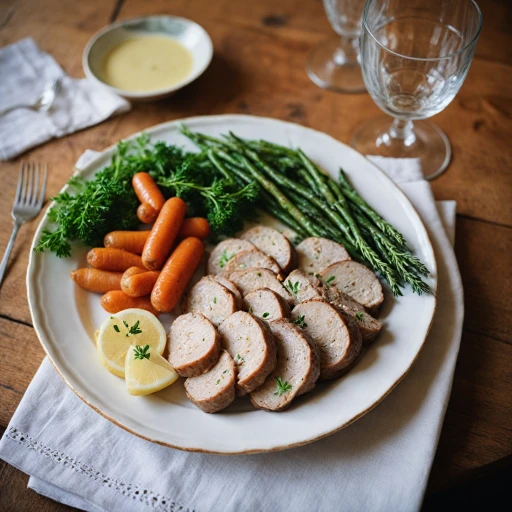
x=116, y=328
x=300, y=321
x=224, y=258
x=359, y=316
x=215, y=300
x=330, y=280
x=239, y=359
x=134, y=329
x=265, y=315
x=218, y=380
x=250, y=309
x=141, y=352
x=293, y=287
x=282, y=387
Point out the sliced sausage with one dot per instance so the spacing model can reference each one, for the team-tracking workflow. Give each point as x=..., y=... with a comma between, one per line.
x=211, y=299
x=316, y=253
x=250, y=259
x=231, y=287
x=250, y=343
x=214, y=390
x=336, y=335
x=303, y=286
x=266, y=304
x=369, y=327
x=224, y=251
x=298, y=368
x=194, y=345
x=255, y=278
x=355, y=280
x=274, y=244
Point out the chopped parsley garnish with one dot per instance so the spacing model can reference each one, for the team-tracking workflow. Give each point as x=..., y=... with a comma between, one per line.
x=265, y=315
x=282, y=387
x=125, y=323
x=224, y=258
x=141, y=352
x=250, y=309
x=215, y=300
x=218, y=380
x=330, y=280
x=300, y=321
x=116, y=328
x=259, y=274
x=359, y=315
x=225, y=371
x=293, y=287
x=239, y=359
x=134, y=329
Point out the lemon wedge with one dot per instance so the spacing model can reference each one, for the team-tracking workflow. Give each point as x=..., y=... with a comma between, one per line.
x=147, y=371
x=129, y=327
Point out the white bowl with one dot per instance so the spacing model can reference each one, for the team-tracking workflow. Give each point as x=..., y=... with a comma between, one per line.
x=188, y=33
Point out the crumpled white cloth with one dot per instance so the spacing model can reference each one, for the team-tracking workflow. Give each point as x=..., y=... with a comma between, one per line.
x=24, y=71
x=379, y=463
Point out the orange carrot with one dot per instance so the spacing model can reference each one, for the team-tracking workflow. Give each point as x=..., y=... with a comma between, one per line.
x=164, y=232
x=194, y=226
x=131, y=241
x=149, y=194
x=146, y=213
x=176, y=274
x=116, y=260
x=94, y=280
x=116, y=301
x=137, y=282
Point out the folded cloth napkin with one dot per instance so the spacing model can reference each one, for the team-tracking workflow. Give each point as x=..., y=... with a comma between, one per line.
x=24, y=71
x=379, y=463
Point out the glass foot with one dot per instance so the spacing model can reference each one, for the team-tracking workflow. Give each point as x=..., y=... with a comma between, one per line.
x=333, y=65
x=421, y=139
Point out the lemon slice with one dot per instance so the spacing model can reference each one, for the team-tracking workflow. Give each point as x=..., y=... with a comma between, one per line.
x=147, y=371
x=129, y=327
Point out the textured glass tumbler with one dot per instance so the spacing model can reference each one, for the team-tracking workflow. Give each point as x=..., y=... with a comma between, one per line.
x=415, y=55
x=334, y=63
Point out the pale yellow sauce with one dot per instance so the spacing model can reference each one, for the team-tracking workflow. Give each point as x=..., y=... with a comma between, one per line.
x=147, y=63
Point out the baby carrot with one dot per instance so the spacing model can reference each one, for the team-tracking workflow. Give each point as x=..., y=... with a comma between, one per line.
x=116, y=301
x=176, y=274
x=194, y=226
x=164, y=232
x=148, y=194
x=137, y=282
x=131, y=241
x=94, y=280
x=116, y=260
x=146, y=213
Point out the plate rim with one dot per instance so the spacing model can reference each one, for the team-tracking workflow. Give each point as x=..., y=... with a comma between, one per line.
x=35, y=315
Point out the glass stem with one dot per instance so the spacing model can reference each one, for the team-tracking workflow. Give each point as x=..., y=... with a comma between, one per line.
x=403, y=130
x=348, y=50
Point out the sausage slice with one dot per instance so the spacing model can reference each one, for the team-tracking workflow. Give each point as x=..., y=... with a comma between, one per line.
x=231, y=287
x=250, y=343
x=298, y=368
x=194, y=345
x=337, y=337
x=274, y=244
x=215, y=389
x=356, y=280
x=211, y=299
x=316, y=253
x=224, y=251
x=266, y=304
x=369, y=327
x=255, y=278
x=303, y=286
x=251, y=259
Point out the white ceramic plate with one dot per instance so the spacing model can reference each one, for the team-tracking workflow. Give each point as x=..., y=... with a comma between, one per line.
x=65, y=318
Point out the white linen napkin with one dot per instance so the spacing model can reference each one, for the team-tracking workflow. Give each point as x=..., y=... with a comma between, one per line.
x=379, y=463
x=24, y=71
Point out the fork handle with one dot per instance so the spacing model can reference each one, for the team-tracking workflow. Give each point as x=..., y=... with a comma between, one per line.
x=8, y=250
x=15, y=107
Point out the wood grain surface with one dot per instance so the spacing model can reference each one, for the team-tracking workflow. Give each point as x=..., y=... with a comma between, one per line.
x=258, y=68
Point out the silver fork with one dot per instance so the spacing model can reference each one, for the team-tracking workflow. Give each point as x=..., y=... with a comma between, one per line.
x=43, y=103
x=27, y=202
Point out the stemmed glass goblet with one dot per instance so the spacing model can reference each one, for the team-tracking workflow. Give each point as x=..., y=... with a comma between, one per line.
x=415, y=56
x=334, y=63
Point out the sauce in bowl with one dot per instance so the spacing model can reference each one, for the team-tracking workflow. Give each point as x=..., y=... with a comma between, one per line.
x=147, y=63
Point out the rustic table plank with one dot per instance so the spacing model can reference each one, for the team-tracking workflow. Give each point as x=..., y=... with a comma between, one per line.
x=258, y=69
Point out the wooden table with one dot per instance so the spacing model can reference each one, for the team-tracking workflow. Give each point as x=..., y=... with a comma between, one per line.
x=258, y=68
